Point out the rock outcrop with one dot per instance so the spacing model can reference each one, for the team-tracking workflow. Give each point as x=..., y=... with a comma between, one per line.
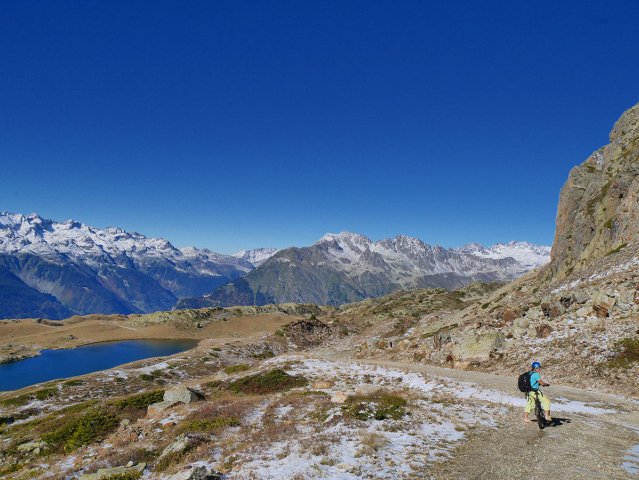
x=115, y=472
x=174, y=396
x=598, y=211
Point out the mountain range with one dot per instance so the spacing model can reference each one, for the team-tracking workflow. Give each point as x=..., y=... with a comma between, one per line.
x=347, y=267
x=55, y=269
x=85, y=270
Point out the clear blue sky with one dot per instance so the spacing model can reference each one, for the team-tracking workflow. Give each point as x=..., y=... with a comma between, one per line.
x=237, y=124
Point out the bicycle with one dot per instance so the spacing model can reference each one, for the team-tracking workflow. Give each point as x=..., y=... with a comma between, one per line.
x=539, y=412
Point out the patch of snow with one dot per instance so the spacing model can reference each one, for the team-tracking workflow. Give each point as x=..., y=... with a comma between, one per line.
x=173, y=417
x=631, y=461
x=151, y=368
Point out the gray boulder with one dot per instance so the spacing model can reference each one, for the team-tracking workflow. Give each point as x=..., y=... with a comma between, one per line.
x=104, y=473
x=477, y=347
x=580, y=297
x=196, y=473
x=602, y=303
x=179, y=394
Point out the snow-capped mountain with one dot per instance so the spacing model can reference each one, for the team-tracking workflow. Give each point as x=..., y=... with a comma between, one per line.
x=257, y=256
x=71, y=240
x=110, y=270
x=410, y=257
x=57, y=268
x=527, y=254
x=346, y=267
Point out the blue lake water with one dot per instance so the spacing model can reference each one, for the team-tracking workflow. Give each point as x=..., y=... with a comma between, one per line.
x=55, y=364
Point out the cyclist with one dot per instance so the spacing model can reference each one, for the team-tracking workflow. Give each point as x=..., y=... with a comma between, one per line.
x=535, y=383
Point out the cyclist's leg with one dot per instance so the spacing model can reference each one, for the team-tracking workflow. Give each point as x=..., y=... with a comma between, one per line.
x=545, y=404
x=530, y=405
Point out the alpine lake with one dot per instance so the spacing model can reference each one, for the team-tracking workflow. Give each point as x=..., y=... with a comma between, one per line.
x=60, y=364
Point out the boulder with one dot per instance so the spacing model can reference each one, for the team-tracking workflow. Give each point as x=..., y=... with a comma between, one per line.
x=509, y=315
x=603, y=299
x=552, y=309
x=323, y=384
x=580, y=297
x=183, y=442
x=196, y=473
x=543, y=330
x=156, y=408
x=32, y=447
x=584, y=312
x=602, y=304
x=520, y=325
x=534, y=313
x=339, y=397
x=477, y=347
x=181, y=394
x=104, y=473
x=566, y=300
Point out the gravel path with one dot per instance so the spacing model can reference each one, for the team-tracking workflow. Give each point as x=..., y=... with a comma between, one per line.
x=581, y=446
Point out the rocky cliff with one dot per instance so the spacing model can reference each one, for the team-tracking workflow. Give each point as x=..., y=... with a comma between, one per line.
x=598, y=211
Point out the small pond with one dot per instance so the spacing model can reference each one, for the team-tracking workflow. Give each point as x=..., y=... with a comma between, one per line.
x=57, y=364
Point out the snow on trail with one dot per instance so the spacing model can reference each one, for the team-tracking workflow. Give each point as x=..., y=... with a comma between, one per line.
x=367, y=374
x=631, y=461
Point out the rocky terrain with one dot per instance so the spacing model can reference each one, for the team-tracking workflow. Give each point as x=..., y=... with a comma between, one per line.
x=292, y=405
x=346, y=267
x=579, y=315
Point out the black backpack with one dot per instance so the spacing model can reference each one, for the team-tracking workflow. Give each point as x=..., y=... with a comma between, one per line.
x=523, y=383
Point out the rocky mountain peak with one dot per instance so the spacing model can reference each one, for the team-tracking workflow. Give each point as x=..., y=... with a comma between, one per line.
x=597, y=213
x=627, y=127
x=256, y=256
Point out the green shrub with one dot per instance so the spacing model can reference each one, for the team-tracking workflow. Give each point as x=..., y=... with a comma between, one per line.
x=267, y=382
x=170, y=459
x=208, y=425
x=77, y=432
x=240, y=367
x=617, y=249
x=265, y=354
x=45, y=393
x=6, y=420
x=627, y=353
x=130, y=475
x=140, y=401
x=11, y=468
x=73, y=383
x=379, y=406
x=83, y=424
x=25, y=398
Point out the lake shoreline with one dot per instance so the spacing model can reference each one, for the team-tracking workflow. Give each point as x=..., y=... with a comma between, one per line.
x=63, y=364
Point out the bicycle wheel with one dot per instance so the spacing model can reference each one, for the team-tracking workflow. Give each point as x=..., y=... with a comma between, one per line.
x=539, y=412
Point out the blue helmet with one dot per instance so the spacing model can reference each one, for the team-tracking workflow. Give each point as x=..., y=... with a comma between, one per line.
x=536, y=365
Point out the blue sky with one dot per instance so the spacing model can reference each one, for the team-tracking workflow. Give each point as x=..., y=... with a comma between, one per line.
x=233, y=124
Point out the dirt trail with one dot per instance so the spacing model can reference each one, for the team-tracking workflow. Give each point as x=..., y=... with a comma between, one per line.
x=583, y=446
